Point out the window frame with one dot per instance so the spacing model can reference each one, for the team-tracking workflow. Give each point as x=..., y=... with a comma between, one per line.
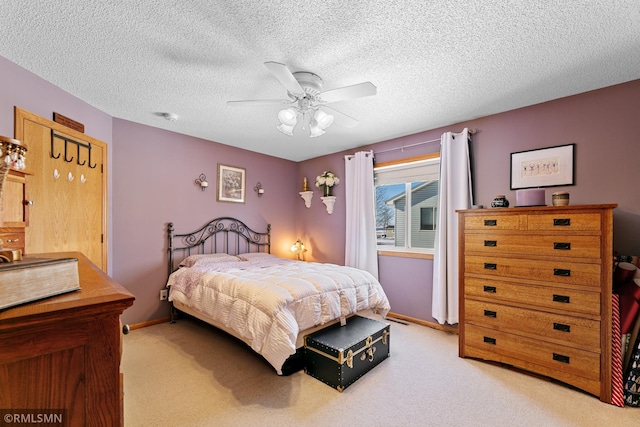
x=407, y=252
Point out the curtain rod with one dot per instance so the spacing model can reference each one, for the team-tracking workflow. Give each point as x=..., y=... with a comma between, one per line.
x=471, y=132
x=352, y=156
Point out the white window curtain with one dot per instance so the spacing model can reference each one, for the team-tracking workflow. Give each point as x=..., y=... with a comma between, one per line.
x=360, y=242
x=454, y=193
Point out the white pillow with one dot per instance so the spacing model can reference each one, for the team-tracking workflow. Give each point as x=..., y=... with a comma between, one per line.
x=191, y=260
x=255, y=255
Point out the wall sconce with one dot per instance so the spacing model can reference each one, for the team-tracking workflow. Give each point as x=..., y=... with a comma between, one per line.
x=299, y=249
x=258, y=189
x=202, y=181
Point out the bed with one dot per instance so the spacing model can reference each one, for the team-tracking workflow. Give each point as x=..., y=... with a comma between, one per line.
x=224, y=274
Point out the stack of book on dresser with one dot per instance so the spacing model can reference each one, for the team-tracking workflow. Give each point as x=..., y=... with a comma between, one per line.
x=31, y=278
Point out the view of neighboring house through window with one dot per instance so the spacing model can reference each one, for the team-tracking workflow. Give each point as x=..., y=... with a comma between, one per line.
x=407, y=203
x=428, y=218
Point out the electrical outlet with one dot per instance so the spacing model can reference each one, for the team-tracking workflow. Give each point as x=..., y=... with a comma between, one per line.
x=164, y=294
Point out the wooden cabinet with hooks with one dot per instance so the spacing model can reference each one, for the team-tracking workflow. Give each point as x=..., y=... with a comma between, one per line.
x=67, y=182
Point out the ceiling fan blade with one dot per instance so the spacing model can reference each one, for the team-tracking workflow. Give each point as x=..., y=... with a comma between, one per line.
x=348, y=92
x=258, y=102
x=284, y=75
x=340, y=118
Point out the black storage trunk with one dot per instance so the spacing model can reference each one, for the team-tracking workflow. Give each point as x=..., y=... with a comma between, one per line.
x=339, y=355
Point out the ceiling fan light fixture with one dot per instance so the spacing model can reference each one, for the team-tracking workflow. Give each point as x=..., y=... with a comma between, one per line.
x=323, y=119
x=287, y=130
x=306, y=96
x=315, y=131
x=288, y=117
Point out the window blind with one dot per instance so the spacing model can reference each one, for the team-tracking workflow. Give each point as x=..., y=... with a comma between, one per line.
x=424, y=170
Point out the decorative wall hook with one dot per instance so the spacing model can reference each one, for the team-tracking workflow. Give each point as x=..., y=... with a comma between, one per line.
x=53, y=154
x=78, y=156
x=70, y=177
x=56, y=174
x=83, y=179
x=68, y=160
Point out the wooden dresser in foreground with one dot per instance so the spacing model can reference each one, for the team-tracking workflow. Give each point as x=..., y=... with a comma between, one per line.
x=535, y=291
x=63, y=353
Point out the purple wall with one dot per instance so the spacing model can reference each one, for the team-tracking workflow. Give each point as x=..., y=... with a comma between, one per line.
x=151, y=182
x=600, y=123
x=21, y=88
x=152, y=173
x=407, y=283
x=154, y=184
x=322, y=233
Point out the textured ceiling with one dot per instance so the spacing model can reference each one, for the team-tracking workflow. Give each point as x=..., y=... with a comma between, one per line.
x=434, y=63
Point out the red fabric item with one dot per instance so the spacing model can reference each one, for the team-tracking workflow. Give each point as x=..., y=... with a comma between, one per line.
x=617, y=387
x=629, y=305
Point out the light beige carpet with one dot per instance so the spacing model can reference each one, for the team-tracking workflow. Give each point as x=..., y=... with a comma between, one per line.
x=190, y=374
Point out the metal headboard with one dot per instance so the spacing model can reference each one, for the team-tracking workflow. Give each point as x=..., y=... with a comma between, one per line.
x=220, y=235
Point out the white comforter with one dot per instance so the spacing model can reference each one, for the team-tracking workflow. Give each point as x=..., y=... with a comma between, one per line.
x=267, y=301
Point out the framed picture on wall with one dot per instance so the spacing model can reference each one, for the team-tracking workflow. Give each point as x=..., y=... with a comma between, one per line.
x=544, y=167
x=231, y=184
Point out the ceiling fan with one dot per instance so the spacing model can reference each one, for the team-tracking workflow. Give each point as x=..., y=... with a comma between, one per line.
x=308, y=101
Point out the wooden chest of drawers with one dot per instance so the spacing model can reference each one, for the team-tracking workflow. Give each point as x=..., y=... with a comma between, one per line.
x=535, y=291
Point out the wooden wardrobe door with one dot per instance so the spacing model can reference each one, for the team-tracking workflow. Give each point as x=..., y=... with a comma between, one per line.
x=89, y=209
x=68, y=190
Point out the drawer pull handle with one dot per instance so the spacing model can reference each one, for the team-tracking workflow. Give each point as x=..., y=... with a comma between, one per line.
x=12, y=240
x=491, y=243
x=561, y=272
x=489, y=313
x=489, y=340
x=490, y=222
x=561, y=358
x=562, y=222
x=490, y=266
x=562, y=246
x=490, y=289
x=561, y=327
x=561, y=298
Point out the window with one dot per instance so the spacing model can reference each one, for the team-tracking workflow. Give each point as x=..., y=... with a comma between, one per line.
x=428, y=218
x=406, y=204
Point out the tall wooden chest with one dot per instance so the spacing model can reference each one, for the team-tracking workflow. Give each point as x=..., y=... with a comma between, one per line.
x=535, y=291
